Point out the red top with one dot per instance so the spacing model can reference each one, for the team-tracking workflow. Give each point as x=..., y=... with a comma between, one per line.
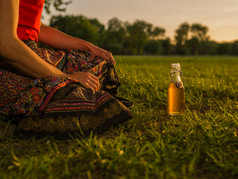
x=29, y=19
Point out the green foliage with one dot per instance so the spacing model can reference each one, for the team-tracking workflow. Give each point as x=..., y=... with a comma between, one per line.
x=181, y=34
x=57, y=5
x=139, y=33
x=193, y=40
x=199, y=32
x=166, y=46
x=224, y=48
x=192, y=45
x=152, y=47
x=115, y=36
x=119, y=37
x=202, y=143
x=209, y=48
x=234, y=48
x=140, y=37
x=79, y=26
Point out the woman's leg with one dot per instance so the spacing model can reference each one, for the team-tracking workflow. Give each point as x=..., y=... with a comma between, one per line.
x=62, y=107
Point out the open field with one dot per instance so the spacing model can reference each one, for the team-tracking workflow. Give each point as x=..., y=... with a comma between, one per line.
x=202, y=143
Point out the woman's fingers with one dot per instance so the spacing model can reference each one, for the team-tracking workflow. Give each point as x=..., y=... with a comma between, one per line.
x=93, y=81
x=93, y=77
x=90, y=85
x=105, y=55
x=112, y=60
x=87, y=79
x=110, y=57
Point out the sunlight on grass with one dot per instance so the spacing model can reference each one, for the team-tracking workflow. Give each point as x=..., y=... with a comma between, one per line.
x=201, y=143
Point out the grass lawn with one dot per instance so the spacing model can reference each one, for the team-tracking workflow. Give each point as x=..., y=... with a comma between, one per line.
x=202, y=143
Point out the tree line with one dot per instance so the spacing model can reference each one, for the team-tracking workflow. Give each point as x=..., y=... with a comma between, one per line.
x=143, y=38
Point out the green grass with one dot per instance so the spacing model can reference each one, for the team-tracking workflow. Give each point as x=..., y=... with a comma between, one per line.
x=202, y=143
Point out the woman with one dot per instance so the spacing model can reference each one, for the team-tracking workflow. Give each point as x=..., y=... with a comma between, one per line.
x=48, y=92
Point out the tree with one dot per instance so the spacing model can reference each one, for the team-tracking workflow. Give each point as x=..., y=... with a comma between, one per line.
x=192, y=46
x=224, y=48
x=200, y=37
x=57, y=4
x=100, y=29
x=115, y=36
x=138, y=34
x=152, y=47
x=191, y=39
x=199, y=32
x=156, y=32
x=166, y=46
x=210, y=47
x=181, y=36
x=78, y=26
x=234, y=48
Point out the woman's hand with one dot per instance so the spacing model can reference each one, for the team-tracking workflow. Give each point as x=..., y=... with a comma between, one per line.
x=87, y=79
x=96, y=51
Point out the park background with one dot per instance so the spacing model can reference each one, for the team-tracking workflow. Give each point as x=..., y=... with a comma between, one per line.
x=151, y=27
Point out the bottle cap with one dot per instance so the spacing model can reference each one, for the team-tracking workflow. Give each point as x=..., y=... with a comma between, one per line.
x=175, y=67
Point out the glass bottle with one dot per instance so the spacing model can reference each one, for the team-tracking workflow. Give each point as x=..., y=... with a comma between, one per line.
x=176, y=91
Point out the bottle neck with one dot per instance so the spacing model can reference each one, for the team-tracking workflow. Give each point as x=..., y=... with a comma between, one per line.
x=175, y=76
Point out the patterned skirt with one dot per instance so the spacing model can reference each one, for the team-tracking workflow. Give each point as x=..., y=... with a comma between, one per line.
x=60, y=106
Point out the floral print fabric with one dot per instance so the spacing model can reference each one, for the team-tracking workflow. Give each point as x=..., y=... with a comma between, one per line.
x=51, y=98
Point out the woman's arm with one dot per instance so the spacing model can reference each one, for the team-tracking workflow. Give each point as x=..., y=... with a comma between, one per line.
x=22, y=57
x=57, y=39
x=18, y=54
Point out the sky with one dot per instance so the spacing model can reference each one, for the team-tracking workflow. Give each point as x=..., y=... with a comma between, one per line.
x=220, y=16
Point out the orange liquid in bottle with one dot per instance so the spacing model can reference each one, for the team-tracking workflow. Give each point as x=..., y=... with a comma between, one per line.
x=176, y=100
